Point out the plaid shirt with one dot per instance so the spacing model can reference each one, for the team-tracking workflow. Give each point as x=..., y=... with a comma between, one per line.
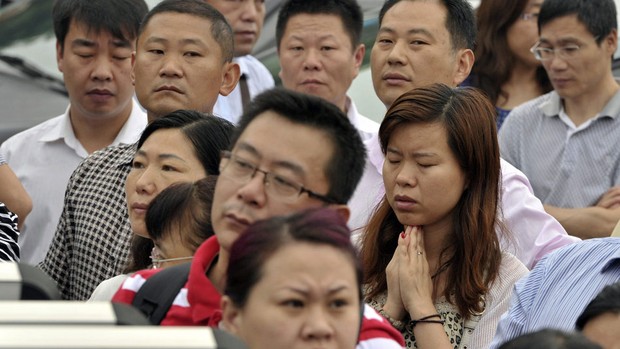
x=92, y=241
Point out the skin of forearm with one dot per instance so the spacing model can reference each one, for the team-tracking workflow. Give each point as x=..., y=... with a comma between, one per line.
x=588, y=222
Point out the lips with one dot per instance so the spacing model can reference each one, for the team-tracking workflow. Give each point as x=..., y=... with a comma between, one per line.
x=169, y=88
x=404, y=203
x=311, y=82
x=237, y=221
x=395, y=78
x=139, y=208
x=100, y=95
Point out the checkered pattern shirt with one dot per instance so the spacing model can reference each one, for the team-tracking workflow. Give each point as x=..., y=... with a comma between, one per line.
x=92, y=241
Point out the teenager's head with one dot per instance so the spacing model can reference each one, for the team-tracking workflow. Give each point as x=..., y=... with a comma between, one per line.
x=294, y=281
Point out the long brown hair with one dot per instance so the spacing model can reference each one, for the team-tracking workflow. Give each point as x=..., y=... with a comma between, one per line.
x=473, y=253
x=494, y=60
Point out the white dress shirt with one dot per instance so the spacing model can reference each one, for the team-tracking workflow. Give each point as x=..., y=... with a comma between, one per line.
x=43, y=158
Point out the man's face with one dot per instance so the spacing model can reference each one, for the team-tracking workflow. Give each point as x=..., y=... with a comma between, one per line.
x=316, y=57
x=246, y=18
x=295, y=152
x=413, y=48
x=179, y=65
x=96, y=68
x=583, y=73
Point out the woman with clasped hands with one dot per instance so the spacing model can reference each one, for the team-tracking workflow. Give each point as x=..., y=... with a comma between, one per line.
x=431, y=252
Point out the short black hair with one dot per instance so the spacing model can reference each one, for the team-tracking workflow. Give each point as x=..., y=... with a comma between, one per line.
x=220, y=29
x=348, y=11
x=460, y=21
x=121, y=18
x=346, y=166
x=607, y=301
x=550, y=339
x=599, y=16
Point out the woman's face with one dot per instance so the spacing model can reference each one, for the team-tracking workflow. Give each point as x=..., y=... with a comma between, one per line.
x=422, y=177
x=307, y=297
x=603, y=330
x=523, y=34
x=166, y=157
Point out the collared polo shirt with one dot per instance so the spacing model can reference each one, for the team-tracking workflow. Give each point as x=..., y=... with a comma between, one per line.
x=568, y=166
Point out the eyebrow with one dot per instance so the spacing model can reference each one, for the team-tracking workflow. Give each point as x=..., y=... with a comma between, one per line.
x=415, y=154
x=561, y=41
x=160, y=156
x=89, y=43
x=305, y=292
x=409, y=32
x=186, y=41
x=298, y=170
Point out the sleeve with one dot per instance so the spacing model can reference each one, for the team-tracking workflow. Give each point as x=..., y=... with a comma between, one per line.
x=130, y=287
x=9, y=249
x=512, y=323
x=498, y=300
x=377, y=333
x=2, y=160
x=508, y=138
x=535, y=233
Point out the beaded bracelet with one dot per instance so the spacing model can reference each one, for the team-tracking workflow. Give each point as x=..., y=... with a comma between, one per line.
x=397, y=324
x=426, y=319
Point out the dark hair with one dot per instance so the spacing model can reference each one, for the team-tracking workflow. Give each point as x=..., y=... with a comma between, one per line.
x=184, y=208
x=346, y=166
x=209, y=135
x=220, y=29
x=598, y=16
x=121, y=18
x=473, y=255
x=550, y=339
x=263, y=239
x=494, y=59
x=348, y=11
x=460, y=21
x=607, y=301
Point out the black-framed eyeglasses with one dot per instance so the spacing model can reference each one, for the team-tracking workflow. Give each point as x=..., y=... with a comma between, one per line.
x=566, y=52
x=278, y=186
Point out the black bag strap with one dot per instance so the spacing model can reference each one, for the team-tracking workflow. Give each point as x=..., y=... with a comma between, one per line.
x=156, y=295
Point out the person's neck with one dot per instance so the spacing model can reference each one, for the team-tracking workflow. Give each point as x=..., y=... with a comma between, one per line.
x=435, y=241
x=586, y=106
x=95, y=134
x=216, y=272
x=521, y=87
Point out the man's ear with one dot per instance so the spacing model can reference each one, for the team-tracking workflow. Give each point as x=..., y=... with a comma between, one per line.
x=612, y=41
x=59, y=56
x=343, y=211
x=464, y=61
x=132, y=74
x=231, y=316
x=358, y=56
x=230, y=78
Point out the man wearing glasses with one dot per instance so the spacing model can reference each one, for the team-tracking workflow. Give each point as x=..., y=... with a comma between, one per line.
x=566, y=141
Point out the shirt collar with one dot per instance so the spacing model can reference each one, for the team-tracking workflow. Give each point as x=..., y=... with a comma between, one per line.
x=375, y=155
x=553, y=106
x=243, y=67
x=611, y=262
x=60, y=130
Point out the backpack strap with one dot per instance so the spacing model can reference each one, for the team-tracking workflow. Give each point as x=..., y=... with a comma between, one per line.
x=158, y=292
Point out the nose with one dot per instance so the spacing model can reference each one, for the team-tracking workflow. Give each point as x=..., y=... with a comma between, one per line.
x=145, y=183
x=171, y=66
x=406, y=177
x=312, y=60
x=317, y=326
x=102, y=69
x=556, y=62
x=250, y=10
x=253, y=192
x=397, y=53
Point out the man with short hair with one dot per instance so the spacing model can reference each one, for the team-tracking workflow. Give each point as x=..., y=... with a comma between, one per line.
x=424, y=42
x=320, y=52
x=291, y=152
x=246, y=17
x=182, y=45
x=94, y=42
x=565, y=141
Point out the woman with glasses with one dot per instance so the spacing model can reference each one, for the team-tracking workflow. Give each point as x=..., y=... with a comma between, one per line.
x=431, y=252
x=183, y=146
x=505, y=69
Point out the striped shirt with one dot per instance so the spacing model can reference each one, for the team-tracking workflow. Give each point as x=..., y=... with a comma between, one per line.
x=9, y=250
x=568, y=166
x=558, y=289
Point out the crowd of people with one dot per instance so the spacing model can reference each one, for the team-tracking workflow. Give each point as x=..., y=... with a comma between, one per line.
x=181, y=181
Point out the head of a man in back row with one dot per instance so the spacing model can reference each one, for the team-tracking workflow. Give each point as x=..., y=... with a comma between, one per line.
x=421, y=42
